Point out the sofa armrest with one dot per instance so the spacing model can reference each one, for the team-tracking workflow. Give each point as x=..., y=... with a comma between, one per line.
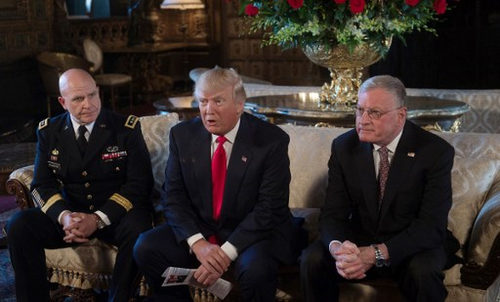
x=19, y=183
x=483, y=256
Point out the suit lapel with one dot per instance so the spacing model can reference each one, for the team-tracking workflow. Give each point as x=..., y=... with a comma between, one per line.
x=67, y=140
x=241, y=156
x=202, y=165
x=401, y=165
x=101, y=133
x=367, y=178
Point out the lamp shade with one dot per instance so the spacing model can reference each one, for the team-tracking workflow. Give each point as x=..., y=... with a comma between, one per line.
x=182, y=4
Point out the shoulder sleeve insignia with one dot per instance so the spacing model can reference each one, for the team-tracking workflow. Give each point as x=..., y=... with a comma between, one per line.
x=43, y=124
x=131, y=121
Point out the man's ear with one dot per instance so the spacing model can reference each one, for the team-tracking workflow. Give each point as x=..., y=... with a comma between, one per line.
x=62, y=101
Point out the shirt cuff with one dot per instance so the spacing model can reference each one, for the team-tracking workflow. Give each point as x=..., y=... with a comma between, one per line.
x=230, y=250
x=191, y=240
x=61, y=215
x=103, y=217
x=332, y=242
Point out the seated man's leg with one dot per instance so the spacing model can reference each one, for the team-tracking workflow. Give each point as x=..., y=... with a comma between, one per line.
x=256, y=270
x=28, y=233
x=421, y=277
x=154, y=251
x=124, y=236
x=318, y=275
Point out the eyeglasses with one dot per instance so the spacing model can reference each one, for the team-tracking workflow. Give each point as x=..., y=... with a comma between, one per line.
x=373, y=113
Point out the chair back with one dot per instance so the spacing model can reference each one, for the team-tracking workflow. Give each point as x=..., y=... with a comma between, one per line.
x=93, y=53
x=52, y=64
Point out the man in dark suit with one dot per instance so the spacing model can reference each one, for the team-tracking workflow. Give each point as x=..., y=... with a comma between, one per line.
x=387, y=203
x=245, y=218
x=92, y=178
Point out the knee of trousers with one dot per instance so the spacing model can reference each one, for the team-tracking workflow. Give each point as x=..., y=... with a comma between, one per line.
x=258, y=273
x=142, y=249
x=312, y=259
x=422, y=272
x=19, y=228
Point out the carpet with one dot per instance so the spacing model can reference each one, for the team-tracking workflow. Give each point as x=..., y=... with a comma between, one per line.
x=7, y=290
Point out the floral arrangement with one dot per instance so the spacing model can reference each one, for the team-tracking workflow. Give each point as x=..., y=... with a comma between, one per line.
x=292, y=23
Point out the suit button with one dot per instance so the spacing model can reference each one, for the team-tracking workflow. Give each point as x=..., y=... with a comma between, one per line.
x=91, y=207
x=117, y=169
x=89, y=197
x=84, y=173
x=87, y=185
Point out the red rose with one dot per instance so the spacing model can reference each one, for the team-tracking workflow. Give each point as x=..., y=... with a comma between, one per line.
x=357, y=6
x=339, y=1
x=251, y=10
x=412, y=2
x=440, y=6
x=295, y=4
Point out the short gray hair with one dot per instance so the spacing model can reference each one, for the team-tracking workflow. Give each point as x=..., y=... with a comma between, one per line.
x=218, y=78
x=389, y=83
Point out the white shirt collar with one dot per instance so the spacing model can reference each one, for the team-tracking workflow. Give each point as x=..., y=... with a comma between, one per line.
x=75, y=124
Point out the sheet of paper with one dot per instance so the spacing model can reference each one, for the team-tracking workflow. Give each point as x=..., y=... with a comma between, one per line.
x=184, y=276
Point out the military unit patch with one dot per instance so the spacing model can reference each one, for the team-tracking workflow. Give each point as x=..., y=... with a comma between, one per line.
x=43, y=124
x=131, y=121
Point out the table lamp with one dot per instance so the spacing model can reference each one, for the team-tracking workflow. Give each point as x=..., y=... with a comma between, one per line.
x=182, y=4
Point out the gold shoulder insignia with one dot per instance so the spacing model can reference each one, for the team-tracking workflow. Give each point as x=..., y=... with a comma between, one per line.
x=131, y=121
x=43, y=124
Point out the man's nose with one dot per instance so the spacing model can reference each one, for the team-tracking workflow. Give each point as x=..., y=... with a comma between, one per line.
x=364, y=118
x=209, y=107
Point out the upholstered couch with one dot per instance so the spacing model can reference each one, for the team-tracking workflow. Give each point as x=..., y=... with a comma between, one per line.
x=474, y=218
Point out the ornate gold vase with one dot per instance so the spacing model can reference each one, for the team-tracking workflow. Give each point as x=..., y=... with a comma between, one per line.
x=346, y=69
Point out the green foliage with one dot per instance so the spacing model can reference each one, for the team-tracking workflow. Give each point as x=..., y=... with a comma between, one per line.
x=324, y=22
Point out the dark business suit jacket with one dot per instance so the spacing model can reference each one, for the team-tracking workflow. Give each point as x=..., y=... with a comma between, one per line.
x=255, y=203
x=414, y=211
x=114, y=176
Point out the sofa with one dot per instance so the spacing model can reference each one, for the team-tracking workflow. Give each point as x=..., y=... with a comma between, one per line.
x=474, y=218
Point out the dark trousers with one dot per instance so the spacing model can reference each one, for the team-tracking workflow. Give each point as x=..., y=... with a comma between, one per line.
x=255, y=269
x=30, y=231
x=420, y=278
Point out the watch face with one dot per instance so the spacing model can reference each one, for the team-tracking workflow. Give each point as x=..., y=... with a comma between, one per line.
x=379, y=262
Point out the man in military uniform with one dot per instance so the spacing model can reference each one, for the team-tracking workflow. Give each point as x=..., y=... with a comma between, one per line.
x=92, y=179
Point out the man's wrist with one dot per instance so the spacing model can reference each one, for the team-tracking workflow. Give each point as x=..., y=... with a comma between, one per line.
x=61, y=216
x=380, y=259
x=98, y=221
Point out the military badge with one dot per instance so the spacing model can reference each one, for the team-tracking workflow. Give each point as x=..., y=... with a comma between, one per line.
x=131, y=121
x=112, y=149
x=55, y=152
x=113, y=155
x=43, y=124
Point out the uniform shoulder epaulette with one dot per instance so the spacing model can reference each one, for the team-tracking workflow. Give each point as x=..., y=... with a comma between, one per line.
x=131, y=121
x=43, y=124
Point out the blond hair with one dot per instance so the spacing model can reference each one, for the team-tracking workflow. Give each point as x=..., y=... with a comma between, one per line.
x=217, y=79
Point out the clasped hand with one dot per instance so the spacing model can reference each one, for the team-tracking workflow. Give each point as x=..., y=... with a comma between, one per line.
x=352, y=261
x=78, y=226
x=214, y=262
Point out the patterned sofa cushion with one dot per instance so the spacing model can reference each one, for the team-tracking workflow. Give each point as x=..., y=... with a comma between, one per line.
x=156, y=129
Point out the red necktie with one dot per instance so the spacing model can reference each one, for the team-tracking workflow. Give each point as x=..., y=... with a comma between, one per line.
x=218, y=180
x=383, y=172
x=218, y=176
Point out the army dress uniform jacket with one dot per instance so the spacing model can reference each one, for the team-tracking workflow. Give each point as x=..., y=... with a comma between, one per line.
x=113, y=176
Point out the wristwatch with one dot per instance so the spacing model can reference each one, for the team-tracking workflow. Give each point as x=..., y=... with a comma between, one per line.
x=379, y=257
x=100, y=224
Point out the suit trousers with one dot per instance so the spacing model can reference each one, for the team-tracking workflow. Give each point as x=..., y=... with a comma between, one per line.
x=255, y=269
x=30, y=231
x=420, y=277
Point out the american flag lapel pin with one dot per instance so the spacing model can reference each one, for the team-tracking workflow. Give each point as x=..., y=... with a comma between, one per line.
x=411, y=154
x=244, y=159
